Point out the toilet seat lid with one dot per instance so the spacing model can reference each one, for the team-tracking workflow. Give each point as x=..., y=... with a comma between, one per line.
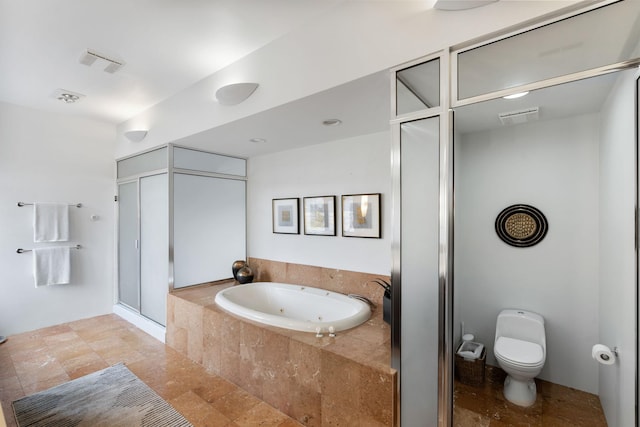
x=519, y=352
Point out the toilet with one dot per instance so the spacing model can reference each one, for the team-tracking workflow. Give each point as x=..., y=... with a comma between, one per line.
x=520, y=348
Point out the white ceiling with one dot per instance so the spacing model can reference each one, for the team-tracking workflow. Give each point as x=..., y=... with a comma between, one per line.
x=166, y=45
x=556, y=102
x=362, y=105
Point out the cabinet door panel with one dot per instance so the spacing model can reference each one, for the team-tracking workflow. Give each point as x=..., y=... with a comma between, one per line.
x=209, y=228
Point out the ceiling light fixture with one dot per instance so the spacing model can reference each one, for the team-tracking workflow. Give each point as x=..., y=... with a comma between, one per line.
x=67, y=96
x=332, y=122
x=136, y=135
x=258, y=140
x=516, y=95
x=235, y=93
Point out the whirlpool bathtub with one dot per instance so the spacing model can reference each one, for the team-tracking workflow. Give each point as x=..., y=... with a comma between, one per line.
x=296, y=307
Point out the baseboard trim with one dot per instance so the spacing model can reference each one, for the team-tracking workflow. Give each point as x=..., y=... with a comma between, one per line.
x=149, y=326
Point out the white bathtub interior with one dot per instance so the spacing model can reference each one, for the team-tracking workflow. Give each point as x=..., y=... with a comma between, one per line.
x=295, y=307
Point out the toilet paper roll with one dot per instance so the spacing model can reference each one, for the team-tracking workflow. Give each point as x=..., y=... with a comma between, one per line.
x=603, y=354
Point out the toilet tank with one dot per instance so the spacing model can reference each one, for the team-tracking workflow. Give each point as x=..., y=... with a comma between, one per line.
x=521, y=324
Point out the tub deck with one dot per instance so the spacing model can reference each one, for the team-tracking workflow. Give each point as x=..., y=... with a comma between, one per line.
x=346, y=380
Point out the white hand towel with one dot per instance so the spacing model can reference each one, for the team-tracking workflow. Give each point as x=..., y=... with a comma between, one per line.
x=50, y=222
x=51, y=266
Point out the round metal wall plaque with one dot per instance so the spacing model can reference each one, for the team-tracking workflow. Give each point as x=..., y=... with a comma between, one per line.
x=521, y=226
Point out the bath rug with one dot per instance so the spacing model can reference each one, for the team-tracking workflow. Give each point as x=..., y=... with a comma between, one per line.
x=112, y=397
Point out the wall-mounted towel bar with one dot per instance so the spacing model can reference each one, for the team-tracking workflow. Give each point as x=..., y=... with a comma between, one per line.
x=21, y=251
x=21, y=204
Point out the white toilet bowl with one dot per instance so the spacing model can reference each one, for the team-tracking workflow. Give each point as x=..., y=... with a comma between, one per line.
x=520, y=349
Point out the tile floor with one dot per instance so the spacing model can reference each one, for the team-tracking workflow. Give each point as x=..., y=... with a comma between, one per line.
x=485, y=406
x=41, y=359
x=35, y=361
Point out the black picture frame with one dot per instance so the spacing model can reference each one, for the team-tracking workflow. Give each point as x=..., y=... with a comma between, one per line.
x=320, y=215
x=361, y=215
x=285, y=215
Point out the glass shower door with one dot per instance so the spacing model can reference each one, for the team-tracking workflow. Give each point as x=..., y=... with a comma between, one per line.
x=419, y=280
x=154, y=247
x=128, y=245
x=143, y=246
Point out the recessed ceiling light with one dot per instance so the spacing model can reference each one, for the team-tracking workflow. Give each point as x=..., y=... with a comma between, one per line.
x=332, y=122
x=258, y=140
x=516, y=95
x=67, y=96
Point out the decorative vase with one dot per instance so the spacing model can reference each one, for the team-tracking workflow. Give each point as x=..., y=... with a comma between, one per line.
x=244, y=275
x=236, y=266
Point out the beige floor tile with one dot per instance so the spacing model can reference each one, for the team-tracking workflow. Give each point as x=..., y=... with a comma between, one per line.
x=235, y=404
x=261, y=415
x=555, y=405
x=198, y=411
x=48, y=357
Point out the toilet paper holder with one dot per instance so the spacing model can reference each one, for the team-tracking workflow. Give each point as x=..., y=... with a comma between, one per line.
x=614, y=350
x=604, y=355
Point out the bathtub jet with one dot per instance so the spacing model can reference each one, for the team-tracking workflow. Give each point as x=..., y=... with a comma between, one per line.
x=295, y=307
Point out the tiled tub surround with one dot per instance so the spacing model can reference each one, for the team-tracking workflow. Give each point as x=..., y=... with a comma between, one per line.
x=343, y=281
x=341, y=381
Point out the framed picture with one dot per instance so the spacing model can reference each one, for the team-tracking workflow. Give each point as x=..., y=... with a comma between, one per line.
x=285, y=216
x=320, y=215
x=361, y=215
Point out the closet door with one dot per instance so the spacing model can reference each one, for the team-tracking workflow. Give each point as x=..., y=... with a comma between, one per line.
x=154, y=247
x=128, y=244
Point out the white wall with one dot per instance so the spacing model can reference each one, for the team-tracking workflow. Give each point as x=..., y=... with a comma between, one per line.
x=352, y=166
x=57, y=158
x=552, y=165
x=617, y=262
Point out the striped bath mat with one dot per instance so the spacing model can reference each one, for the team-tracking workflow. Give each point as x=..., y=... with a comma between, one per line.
x=111, y=397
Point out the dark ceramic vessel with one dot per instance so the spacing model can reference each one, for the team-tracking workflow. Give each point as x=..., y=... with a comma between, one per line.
x=244, y=275
x=236, y=266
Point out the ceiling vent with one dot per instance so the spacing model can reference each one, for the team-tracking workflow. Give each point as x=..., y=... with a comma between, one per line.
x=110, y=65
x=520, y=116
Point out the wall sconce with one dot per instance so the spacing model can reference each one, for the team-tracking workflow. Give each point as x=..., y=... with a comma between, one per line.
x=235, y=93
x=135, y=135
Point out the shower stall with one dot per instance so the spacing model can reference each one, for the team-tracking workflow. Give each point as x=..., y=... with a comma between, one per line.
x=545, y=116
